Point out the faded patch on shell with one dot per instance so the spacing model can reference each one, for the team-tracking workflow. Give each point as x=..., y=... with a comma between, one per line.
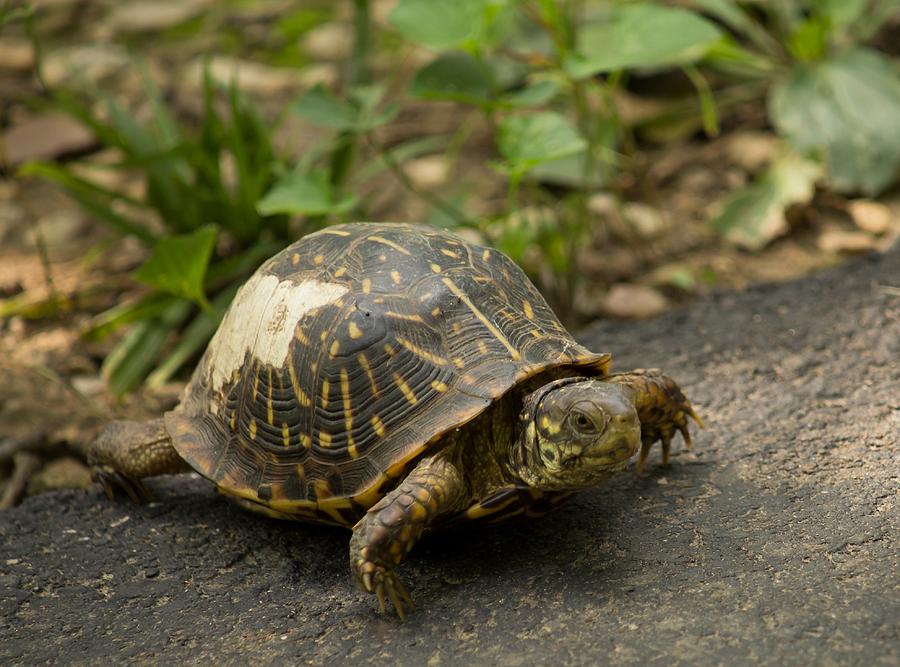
x=261, y=321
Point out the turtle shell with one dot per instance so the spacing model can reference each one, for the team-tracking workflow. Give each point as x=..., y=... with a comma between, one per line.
x=348, y=355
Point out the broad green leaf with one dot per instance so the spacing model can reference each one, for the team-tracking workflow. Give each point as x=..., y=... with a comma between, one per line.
x=755, y=215
x=452, y=76
x=178, y=264
x=847, y=108
x=536, y=95
x=367, y=100
x=439, y=24
x=320, y=107
x=527, y=141
x=303, y=194
x=642, y=35
x=568, y=172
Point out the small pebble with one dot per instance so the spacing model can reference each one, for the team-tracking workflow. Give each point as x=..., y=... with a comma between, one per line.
x=870, y=216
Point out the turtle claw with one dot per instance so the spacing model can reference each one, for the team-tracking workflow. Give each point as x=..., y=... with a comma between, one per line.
x=666, y=446
x=390, y=584
x=113, y=481
x=386, y=585
x=642, y=458
x=686, y=435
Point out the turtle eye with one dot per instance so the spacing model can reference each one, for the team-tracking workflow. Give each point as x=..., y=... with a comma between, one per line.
x=582, y=422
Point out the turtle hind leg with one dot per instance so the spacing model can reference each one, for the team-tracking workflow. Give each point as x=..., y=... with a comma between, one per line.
x=125, y=452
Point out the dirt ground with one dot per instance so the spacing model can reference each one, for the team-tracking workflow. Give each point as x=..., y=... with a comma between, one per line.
x=772, y=543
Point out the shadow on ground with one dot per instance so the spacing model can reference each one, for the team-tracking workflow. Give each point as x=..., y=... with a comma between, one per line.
x=774, y=542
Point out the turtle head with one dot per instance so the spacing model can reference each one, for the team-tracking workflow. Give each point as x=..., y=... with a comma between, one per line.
x=575, y=432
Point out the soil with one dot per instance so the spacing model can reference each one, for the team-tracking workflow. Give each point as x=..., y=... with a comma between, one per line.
x=774, y=542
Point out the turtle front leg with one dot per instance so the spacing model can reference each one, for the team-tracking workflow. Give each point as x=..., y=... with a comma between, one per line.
x=388, y=531
x=662, y=409
x=126, y=451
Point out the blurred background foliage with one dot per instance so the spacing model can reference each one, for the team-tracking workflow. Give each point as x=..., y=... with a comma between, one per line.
x=549, y=98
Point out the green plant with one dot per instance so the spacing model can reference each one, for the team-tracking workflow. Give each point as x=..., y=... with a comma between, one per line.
x=544, y=74
x=835, y=102
x=217, y=201
x=197, y=217
x=11, y=14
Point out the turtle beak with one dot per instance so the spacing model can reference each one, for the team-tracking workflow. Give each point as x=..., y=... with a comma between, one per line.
x=622, y=437
x=615, y=452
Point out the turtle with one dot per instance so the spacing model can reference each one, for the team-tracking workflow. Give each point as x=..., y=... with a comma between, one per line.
x=394, y=379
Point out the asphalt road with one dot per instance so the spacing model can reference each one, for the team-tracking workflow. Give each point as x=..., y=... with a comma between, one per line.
x=773, y=543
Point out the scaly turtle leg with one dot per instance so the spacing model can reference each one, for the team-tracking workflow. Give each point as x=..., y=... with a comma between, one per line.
x=125, y=452
x=392, y=526
x=662, y=409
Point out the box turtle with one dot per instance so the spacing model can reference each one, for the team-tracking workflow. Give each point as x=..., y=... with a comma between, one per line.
x=392, y=379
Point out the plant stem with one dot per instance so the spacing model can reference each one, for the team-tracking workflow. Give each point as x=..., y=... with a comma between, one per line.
x=358, y=74
x=588, y=125
x=44, y=254
x=358, y=70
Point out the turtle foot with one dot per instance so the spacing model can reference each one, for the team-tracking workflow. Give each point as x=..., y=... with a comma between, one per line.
x=386, y=585
x=114, y=481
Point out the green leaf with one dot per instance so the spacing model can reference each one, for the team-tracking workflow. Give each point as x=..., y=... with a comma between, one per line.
x=439, y=24
x=320, y=107
x=536, y=95
x=138, y=351
x=736, y=62
x=755, y=215
x=93, y=198
x=842, y=12
x=567, y=172
x=192, y=340
x=741, y=21
x=178, y=265
x=642, y=35
x=114, y=318
x=452, y=76
x=808, y=41
x=304, y=194
x=527, y=141
x=847, y=108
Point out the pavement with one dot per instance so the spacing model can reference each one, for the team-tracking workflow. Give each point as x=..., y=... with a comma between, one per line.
x=774, y=542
